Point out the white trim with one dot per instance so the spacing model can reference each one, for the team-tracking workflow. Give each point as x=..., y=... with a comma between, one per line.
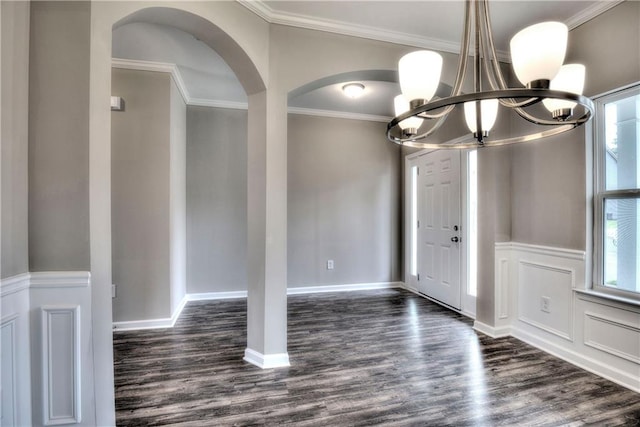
x=212, y=103
x=9, y=322
x=592, y=365
x=588, y=13
x=613, y=322
x=165, y=67
x=133, y=325
x=543, y=250
x=60, y=279
x=206, y=296
x=159, y=67
x=13, y=284
x=49, y=389
x=343, y=288
x=493, y=332
x=339, y=114
x=266, y=361
x=354, y=30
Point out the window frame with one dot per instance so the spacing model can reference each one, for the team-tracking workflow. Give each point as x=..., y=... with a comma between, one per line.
x=600, y=193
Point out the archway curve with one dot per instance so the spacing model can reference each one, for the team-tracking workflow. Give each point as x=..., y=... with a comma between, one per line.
x=209, y=33
x=221, y=25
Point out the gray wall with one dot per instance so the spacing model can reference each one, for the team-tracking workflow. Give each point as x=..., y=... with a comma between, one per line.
x=59, y=136
x=216, y=199
x=177, y=196
x=140, y=179
x=344, y=202
x=549, y=202
x=15, y=127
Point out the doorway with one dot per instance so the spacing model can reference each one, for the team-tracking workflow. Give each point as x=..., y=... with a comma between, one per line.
x=440, y=197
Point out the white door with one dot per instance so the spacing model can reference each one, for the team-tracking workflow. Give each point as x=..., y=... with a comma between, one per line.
x=439, y=226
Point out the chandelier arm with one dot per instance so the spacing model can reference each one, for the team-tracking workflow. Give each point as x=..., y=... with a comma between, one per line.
x=512, y=103
x=464, y=52
x=492, y=48
x=403, y=141
x=488, y=50
x=533, y=119
x=444, y=112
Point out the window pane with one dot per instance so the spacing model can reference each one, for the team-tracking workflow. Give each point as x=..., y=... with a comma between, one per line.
x=622, y=143
x=621, y=244
x=414, y=221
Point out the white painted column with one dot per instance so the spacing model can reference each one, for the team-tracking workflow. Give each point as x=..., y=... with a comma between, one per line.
x=267, y=230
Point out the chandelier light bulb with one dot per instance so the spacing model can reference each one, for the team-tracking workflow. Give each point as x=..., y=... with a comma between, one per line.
x=353, y=90
x=570, y=78
x=419, y=74
x=411, y=125
x=537, y=52
x=488, y=114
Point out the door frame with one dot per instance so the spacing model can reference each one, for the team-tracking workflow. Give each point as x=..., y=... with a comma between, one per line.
x=468, y=302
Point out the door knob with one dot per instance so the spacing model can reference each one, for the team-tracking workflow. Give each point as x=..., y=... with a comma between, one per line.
x=455, y=239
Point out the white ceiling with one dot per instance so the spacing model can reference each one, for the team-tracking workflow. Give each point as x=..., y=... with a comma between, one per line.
x=426, y=24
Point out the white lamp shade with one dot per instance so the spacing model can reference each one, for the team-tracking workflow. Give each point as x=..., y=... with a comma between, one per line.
x=570, y=78
x=537, y=52
x=419, y=74
x=401, y=105
x=488, y=112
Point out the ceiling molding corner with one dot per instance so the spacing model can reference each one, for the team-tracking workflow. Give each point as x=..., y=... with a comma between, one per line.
x=217, y=103
x=259, y=8
x=591, y=12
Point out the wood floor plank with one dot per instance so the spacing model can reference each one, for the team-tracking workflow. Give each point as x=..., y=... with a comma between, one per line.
x=385, y=357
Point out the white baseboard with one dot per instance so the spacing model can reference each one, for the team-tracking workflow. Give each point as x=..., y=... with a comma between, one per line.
x=587, y=363
x=206, y=296
x=134, y=325
x=343, y=288
x=266, y=361
x=493, y=332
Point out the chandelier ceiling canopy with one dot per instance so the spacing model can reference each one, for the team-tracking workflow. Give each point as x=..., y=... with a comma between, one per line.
x=537, y=56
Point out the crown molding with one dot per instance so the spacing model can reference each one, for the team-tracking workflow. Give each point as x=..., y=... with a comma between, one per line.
x=339, y=27
x=159, y=67
x=214, y=103
x=339, y=114
x=354, y=30
x=591, y=12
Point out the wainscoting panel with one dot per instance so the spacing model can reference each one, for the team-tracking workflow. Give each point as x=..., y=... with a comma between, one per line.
x=8, y=366
x=61, y=368
x=554, y=310
x=539, y=282
x=61, y=349
x=15, y=355
x=612, y=336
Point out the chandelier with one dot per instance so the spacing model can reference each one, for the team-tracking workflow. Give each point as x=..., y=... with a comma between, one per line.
x=551, y=94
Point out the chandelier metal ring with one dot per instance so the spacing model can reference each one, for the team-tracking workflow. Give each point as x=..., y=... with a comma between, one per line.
x=533, y=96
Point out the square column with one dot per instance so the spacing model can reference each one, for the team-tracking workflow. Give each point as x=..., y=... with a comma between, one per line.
x=267, y=230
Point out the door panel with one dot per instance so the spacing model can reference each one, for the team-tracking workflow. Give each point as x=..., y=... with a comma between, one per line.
x=440, y=219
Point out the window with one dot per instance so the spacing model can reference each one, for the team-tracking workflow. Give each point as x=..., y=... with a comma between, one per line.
x=617, y=193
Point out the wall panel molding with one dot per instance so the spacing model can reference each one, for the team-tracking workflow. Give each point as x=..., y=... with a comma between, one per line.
x=60, y=279
x=14, y=284
x=612, y=336
x=592, y=332
x=9, y=403
x=61, y=367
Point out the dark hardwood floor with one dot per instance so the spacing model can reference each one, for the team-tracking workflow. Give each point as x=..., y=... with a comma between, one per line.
x=383, y=357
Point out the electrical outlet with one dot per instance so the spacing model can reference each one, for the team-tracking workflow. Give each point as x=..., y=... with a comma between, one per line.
x=330, y=264
x=113, y=291
x=545, y=304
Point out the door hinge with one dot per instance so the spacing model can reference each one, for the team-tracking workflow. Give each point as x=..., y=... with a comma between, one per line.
x=418, y=223
x=418, y=277
x=418, y=171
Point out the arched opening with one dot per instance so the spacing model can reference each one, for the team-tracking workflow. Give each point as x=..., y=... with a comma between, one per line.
x=200, y=22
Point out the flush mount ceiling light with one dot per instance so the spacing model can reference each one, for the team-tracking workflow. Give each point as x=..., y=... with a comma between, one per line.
x=353, y=90
x=537, y=54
